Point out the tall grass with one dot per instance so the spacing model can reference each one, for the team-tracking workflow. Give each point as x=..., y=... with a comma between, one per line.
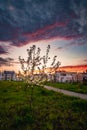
x=50, y=110
x=75, y=87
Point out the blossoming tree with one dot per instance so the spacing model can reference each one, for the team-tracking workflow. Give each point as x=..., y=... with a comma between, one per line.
x=37, y=63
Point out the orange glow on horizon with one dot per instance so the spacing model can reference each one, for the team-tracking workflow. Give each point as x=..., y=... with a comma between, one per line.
x=79, y=68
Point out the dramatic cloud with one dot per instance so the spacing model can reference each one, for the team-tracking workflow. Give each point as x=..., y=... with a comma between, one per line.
x=25, y=21
x=3, y=50
x=78, y=42
x=85, y=60
x=79, y=7
x=6, y=61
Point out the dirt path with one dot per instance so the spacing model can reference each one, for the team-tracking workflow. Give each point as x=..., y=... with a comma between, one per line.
x=66, y=92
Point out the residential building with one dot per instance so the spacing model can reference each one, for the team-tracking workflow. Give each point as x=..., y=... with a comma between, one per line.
x=62, y=76
x=8, y=75
x=85, y=77
x=0, y=75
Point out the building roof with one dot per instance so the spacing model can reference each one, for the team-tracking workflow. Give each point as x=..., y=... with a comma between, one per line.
x=8, y=72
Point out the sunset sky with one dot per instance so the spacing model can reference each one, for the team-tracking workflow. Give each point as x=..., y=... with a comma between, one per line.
x=59, y=23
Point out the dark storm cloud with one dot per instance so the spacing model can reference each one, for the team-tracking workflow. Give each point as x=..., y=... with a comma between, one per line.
x=24, y=21
x=79, y=42
x=6, y=61
x=3, y=50
x=79, y=7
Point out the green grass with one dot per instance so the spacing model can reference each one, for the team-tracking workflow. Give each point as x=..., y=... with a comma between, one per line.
x=44, y=110
x=75, y=87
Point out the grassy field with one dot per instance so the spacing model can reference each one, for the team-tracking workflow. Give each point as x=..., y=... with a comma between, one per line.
x=20, y=109
x=75, y=87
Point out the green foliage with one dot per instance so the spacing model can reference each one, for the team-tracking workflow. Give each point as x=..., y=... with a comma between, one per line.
x=50, y=111
x=75, y=87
